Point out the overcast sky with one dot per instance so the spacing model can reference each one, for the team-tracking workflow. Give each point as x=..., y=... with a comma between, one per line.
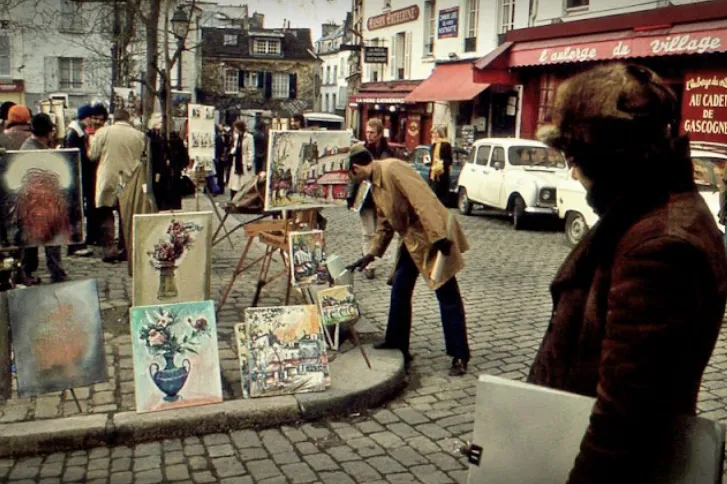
x=301, y=13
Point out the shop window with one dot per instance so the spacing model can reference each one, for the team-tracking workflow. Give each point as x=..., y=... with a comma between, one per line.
x=430, y=24
x=507, y=16
x=5, y=56
x=71, y=69
x=232, y=81
x=471, y=19
x=571, y=4
x=548, y=84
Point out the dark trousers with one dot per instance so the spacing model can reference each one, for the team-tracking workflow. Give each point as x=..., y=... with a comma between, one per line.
x=451, y=309
x=53, y=261
x=106, y=216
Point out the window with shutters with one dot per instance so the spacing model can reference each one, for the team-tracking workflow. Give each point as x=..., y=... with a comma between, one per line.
x=281, y=85
x=430, y=24
x=400, y=67
x=250, y=80
x=335, y=75
x=230, y=39
x=507, y=16
x=5, y=56
x=71, y=72
x=334, y=104
x=326, y=105
x=328, y=74
x=232, y=81
x=267, y=47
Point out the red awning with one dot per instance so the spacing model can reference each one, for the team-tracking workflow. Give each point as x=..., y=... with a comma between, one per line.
x=390, y=92
x=334, y=178
x=448, y=82
x=694, y=38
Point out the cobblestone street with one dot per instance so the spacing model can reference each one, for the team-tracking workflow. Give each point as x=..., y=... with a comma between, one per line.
x=409, y=440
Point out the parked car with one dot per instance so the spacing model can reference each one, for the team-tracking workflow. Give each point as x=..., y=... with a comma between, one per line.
x=421, y=158
x=511, y=174
x=709, y=164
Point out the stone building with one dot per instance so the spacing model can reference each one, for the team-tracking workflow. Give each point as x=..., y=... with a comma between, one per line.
x=272, y=70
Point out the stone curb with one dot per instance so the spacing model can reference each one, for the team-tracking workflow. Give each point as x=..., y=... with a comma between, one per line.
x=354, y=387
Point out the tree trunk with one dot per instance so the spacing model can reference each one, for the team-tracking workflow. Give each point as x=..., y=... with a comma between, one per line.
x=165, y=100
x=152, y=58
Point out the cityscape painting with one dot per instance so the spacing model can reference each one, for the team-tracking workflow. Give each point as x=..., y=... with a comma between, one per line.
x=287, y=351
x=308, y=256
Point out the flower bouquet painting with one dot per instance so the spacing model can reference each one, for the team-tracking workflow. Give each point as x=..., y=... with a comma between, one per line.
x=176, y=360
x=171, y=251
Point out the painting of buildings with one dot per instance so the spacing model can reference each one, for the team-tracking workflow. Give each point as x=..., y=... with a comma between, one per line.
x=308, y=256
x=287, y=351
x=172, y=258
x=57, y=337
x=176, y=357
x=40, y=198
x=337, y=305
x=242, y=352
x=307, y=169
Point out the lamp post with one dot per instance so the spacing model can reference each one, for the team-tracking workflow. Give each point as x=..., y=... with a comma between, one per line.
x=180, y=23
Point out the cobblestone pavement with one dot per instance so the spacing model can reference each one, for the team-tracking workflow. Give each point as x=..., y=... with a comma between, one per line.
x=505, y=289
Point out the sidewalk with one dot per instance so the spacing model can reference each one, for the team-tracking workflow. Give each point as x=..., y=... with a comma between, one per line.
x=53, y=422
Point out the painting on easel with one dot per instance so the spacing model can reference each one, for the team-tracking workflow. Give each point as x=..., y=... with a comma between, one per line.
x=307, y=169
x=172, y=258
x=57, y=337
x=287, y=351
x=308, y=256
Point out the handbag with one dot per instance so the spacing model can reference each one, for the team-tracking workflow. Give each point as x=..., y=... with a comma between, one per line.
x=136, y=197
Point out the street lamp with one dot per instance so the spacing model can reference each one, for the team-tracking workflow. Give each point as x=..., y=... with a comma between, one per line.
x=180, y=23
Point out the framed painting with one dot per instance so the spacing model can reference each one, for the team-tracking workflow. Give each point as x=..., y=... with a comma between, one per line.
x=307, y=169
x=361, y=193
x=40, y=198
x=242, y=352
x=338, y=306
x=57, y=337
x=287, y=351
x=176, y=357
x=172, y=258
x=308, y=257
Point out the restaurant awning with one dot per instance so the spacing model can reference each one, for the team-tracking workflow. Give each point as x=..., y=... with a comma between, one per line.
x=334, y=178
x=659, y=40
x=448, y=82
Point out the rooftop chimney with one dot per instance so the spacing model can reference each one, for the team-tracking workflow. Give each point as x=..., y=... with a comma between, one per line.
x=328, y=28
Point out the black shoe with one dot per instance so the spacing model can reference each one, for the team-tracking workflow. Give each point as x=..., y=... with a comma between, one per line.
x=111, y=259
x=459, y=367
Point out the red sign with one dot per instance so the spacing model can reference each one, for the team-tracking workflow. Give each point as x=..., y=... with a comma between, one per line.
x=12, y=86
x=389, y=19
x=617, y=46
x=704, y=106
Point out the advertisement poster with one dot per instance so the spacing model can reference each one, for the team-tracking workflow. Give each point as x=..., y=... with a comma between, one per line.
x=448, y=23
x=704, y=107
x=201, y=136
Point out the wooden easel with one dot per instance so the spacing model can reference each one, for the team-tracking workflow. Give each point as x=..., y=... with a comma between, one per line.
x=200, y=183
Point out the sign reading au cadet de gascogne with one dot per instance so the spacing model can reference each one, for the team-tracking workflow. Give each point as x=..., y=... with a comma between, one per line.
x=401, y=16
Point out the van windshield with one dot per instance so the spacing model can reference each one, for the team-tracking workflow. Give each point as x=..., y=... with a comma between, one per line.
x=536, y=156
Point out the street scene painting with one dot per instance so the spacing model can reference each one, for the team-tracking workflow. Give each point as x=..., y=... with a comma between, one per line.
x=338, y=305
x=57, y=337
x=40, y=198
x=287, y=351
x=243, y=351
x=176, y=357
x=307, y=169
x=172, y=258
x=308, y=257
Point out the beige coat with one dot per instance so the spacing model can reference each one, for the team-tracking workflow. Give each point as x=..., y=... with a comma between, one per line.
x=118, y=148
x=237, y=181
x=406, y=205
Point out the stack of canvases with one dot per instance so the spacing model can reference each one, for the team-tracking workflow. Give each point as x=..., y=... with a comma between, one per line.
x=56, y=332
x=283, y=349
x=173, y=327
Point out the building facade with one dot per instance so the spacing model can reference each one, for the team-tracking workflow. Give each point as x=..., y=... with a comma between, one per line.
x=273, y=70
x=336, y=67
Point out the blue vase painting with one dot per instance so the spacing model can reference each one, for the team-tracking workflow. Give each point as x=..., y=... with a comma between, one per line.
x=176, y=361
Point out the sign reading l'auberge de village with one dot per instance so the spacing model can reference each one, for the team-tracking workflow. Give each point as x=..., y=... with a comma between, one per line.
x=704, y=107
x=401, y=16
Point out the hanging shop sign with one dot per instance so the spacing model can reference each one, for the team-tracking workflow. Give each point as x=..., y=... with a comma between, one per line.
x=397, y=17
x=448, y=23
x=376, y=55
x=704, y=106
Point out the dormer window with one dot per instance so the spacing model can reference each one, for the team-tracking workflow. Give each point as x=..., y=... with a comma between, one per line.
x=230, y=39
x=267, y=47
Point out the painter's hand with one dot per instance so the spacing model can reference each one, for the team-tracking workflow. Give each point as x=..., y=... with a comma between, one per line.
x=361, y=264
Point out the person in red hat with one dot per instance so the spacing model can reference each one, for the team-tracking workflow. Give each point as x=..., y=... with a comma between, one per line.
x=17, y=128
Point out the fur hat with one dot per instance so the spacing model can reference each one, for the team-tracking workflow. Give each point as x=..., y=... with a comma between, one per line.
x=19, y=115
x=626, y=97
x=85, y=111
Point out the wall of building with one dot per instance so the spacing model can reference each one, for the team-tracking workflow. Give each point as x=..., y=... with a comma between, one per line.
x=334, y=86
x=550, y=11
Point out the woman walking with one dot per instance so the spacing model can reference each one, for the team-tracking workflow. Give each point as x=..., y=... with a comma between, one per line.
x=441, y=164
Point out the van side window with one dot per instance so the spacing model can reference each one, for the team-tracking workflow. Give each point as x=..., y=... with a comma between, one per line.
x=498, y=155
x=483, y=154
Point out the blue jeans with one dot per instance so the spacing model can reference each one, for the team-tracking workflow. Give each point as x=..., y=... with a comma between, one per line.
x=398, y=329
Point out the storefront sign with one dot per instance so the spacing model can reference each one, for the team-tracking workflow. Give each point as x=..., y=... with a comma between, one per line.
x=448, y=23
x=389, y=19
x=12, y=86
x=376, y=55
x=704, y=106
x=706, y=41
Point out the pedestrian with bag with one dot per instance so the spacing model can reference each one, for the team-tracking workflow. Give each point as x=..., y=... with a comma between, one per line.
x=430, y=236
x=441, y=164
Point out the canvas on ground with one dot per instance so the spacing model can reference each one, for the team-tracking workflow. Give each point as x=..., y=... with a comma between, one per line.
x=337, y=305
x=307, y=169
x=172, y=258
x=242, y=352
x=287, y=351
x=57, y=337
x=40, y=198
x=176, y=358
x=308, y=256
